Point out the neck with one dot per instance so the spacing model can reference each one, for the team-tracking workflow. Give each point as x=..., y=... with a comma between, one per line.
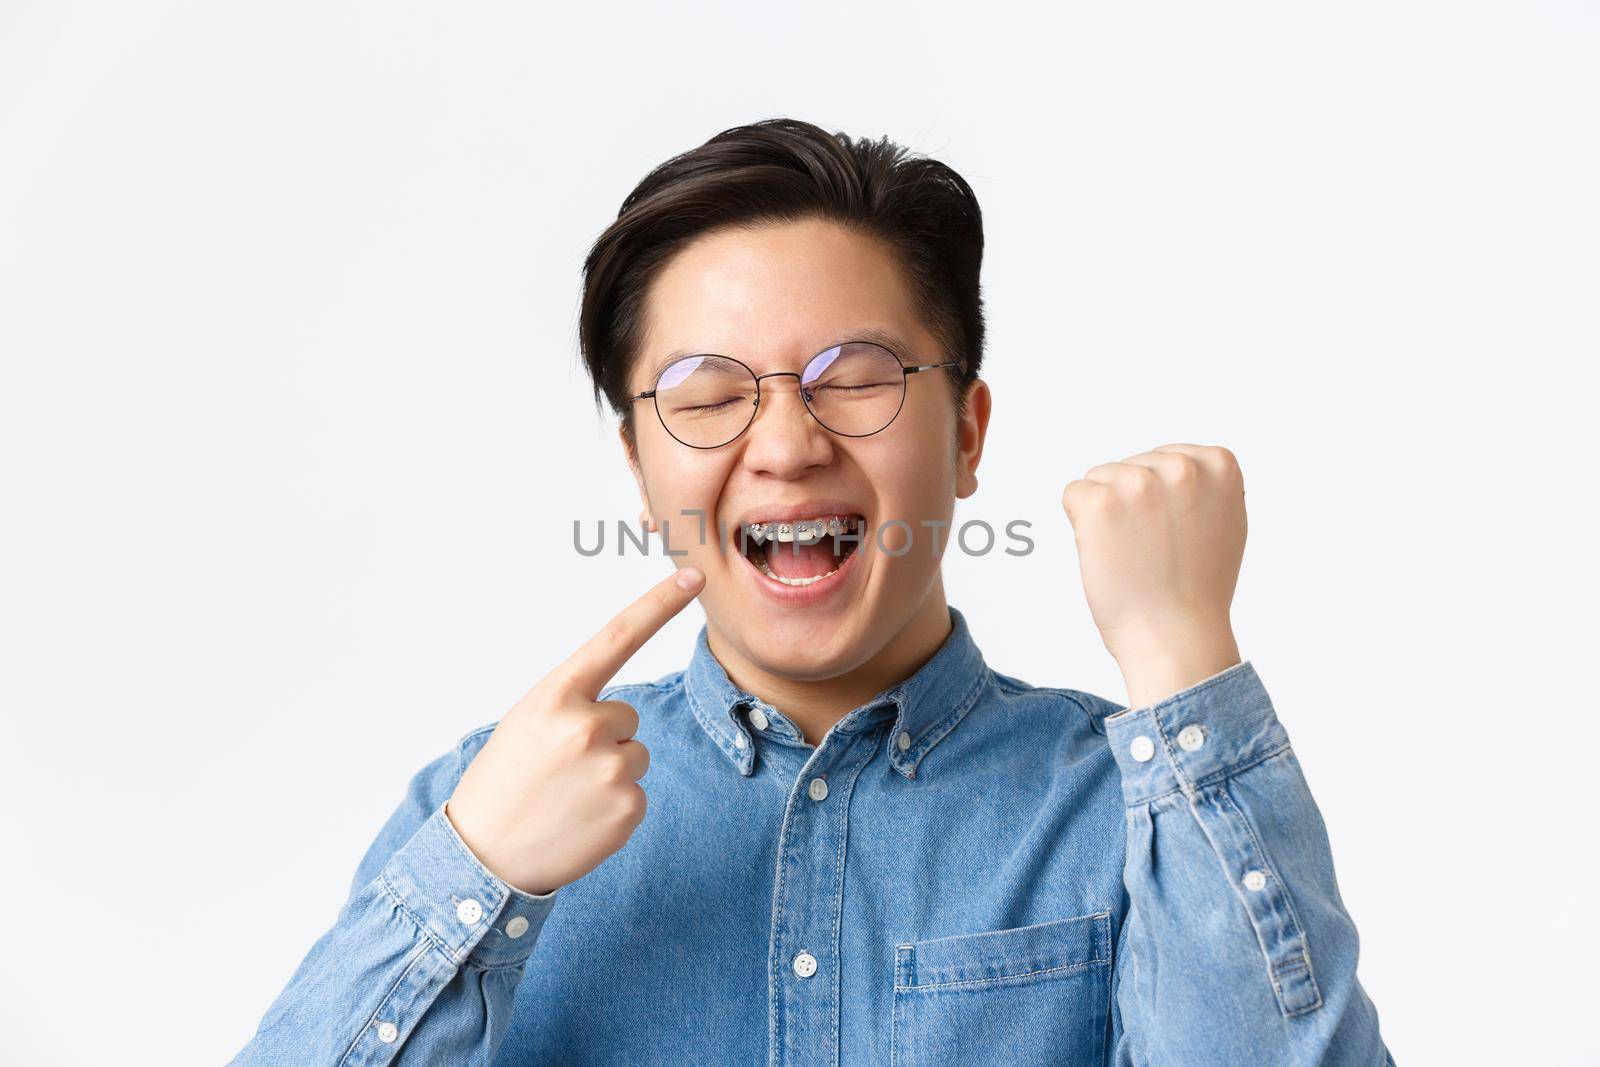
x=815, y=705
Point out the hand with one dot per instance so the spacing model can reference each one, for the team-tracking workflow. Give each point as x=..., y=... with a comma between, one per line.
x=1160, y=538
x=555, y=789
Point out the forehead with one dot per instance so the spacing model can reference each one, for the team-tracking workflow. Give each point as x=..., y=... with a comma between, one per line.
x=776, y=294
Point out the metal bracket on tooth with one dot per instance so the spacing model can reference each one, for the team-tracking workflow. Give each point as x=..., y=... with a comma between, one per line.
x=811, y=532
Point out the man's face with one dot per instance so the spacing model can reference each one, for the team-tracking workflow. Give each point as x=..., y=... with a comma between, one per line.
x=773, y=298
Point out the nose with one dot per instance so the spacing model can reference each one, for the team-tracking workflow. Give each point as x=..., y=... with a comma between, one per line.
x=784, y=440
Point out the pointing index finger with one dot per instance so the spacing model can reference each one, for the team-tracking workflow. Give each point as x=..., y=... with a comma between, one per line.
x=598, y=659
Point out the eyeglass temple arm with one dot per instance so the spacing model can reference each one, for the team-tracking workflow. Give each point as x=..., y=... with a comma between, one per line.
x=930, y=366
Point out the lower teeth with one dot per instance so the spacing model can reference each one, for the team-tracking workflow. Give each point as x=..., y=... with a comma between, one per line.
x=761, y=563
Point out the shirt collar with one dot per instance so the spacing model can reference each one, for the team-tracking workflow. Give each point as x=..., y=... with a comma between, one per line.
x=924, y=708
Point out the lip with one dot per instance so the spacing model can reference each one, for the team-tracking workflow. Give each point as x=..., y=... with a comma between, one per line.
x=804, y=595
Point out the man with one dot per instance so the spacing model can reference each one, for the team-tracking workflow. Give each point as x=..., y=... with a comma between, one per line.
x=861, y=844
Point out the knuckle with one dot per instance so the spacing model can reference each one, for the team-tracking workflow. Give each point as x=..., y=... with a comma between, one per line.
x=586, y=731
x=557, y=688
x=615, y=767
x=638, y=757
x=631, y=807
x=616, y=633
x=621, y=717
x=1084, y=498
x=630, y=715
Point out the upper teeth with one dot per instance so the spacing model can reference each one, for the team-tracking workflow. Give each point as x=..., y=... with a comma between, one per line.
x=804, y=532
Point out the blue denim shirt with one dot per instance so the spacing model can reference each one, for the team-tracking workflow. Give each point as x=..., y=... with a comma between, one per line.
x=967, y=869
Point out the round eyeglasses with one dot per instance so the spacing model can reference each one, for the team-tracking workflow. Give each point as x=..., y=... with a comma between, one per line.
x=853, y=389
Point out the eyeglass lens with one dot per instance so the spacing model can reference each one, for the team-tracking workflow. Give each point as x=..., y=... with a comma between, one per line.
x=853, y=389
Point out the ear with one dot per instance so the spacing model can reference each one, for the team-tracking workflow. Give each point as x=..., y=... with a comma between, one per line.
x=970, y=436
x=646, y=519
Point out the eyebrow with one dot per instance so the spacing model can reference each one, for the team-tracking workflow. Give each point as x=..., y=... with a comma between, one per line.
x=887, y=338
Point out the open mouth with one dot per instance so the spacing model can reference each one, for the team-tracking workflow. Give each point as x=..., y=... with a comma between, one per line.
x=802, y=552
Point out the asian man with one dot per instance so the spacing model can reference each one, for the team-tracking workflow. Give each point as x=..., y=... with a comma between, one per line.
x=837, y=836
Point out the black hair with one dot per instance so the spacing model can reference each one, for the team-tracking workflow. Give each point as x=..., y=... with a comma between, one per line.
x=786, y=170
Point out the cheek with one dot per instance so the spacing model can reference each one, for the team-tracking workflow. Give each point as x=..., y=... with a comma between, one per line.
x=684, y=494
x=911, y=485
x=914, y=473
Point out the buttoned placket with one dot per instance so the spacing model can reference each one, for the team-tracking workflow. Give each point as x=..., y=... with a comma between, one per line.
x=808, y=898
x=905, y=723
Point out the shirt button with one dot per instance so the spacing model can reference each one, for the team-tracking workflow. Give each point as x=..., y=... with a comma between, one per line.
x=738, y=740
x=516, y=927
x=759, y=720
x=387, y=1032
x=818, y=789
x=1142, y=748
x=904, y=741
x=805, y=965
x=1191, y=737
x=469, y=911
x=1255, y=881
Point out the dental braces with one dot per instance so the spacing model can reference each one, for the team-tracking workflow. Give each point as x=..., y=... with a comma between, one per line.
x=805, y=532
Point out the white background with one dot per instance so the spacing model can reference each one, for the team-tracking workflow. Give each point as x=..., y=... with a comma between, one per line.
x=293, y=433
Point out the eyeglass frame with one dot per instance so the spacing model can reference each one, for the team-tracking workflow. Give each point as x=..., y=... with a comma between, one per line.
x=906, y=371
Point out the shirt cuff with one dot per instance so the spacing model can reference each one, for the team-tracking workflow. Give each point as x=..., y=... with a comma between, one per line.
x=1213, y=729
x=469, y=912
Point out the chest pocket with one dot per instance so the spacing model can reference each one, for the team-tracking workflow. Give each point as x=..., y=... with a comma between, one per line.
x=1028, y=995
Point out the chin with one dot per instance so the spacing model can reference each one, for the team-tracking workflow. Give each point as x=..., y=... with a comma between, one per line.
x=806, y=642
x=799, y=654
